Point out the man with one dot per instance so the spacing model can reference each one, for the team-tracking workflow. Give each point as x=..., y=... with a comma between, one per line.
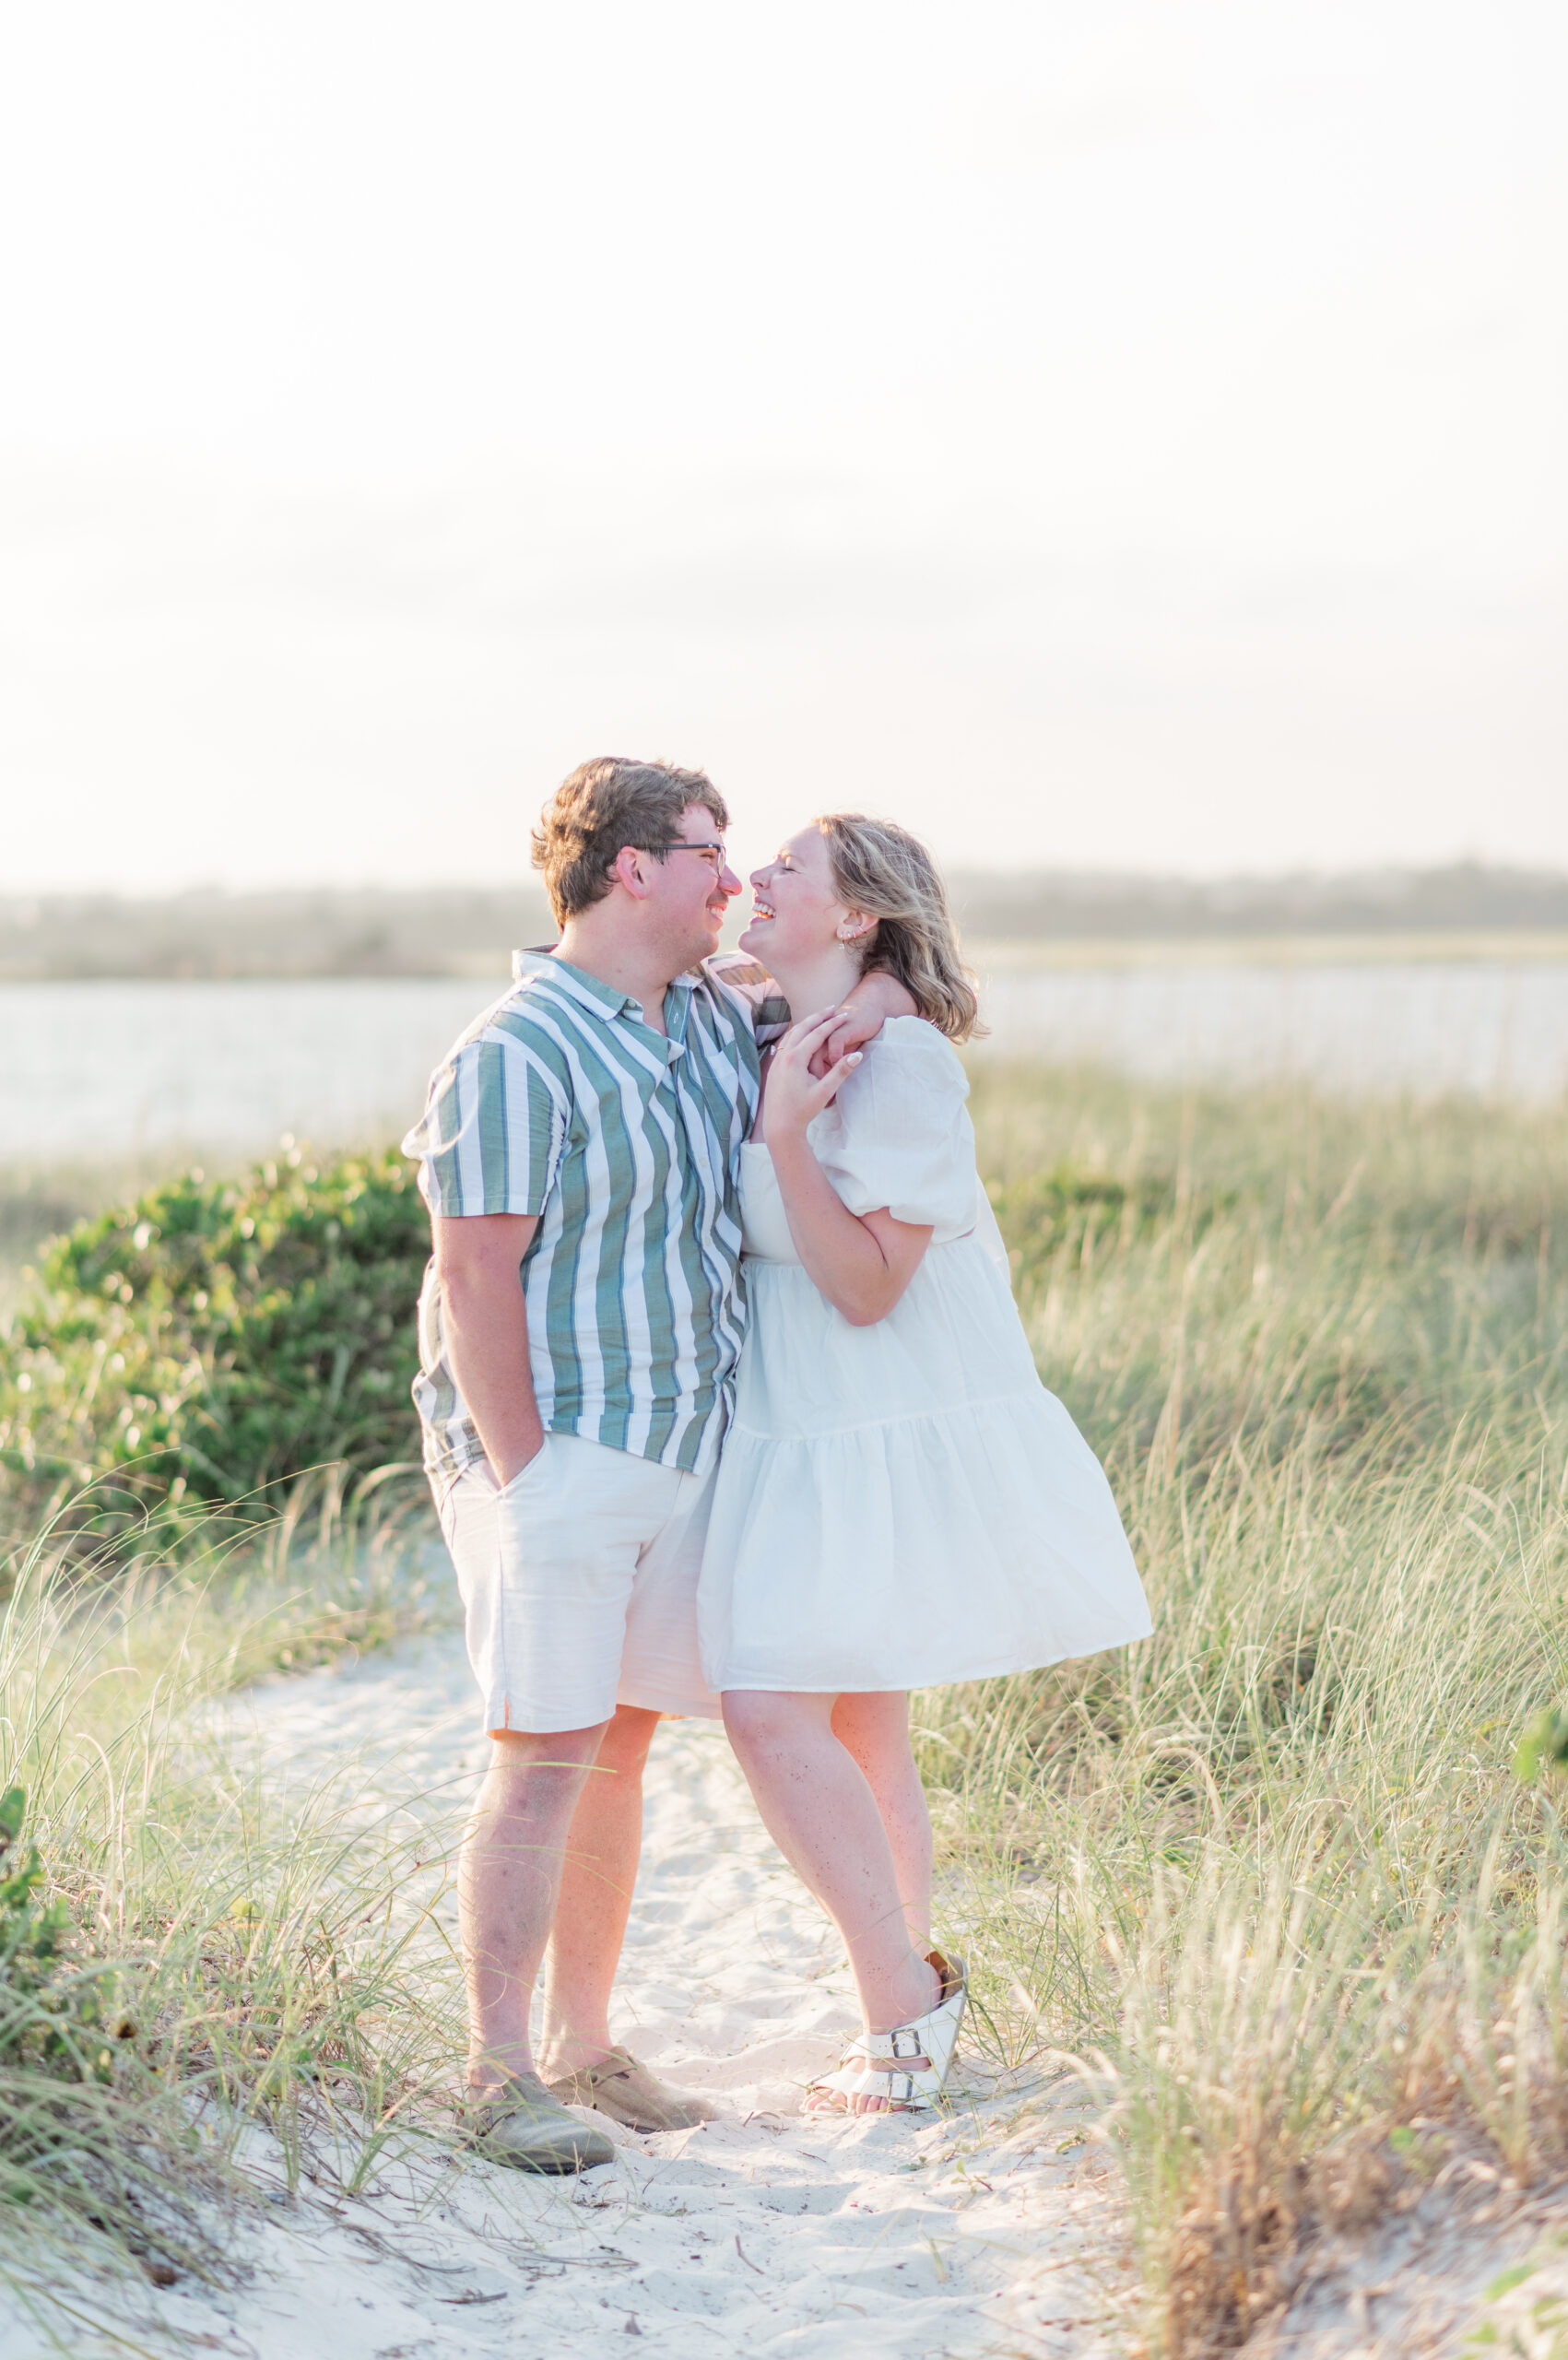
x=579, y=1321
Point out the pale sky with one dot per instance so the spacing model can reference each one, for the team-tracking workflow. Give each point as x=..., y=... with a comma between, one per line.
x=1099, y=434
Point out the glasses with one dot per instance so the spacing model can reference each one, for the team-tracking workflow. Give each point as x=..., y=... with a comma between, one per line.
x=713, y=852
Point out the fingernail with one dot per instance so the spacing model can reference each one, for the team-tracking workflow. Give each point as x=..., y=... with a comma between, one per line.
x=853, y=1058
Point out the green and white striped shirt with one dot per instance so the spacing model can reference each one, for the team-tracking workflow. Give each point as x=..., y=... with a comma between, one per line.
x=560, y=1102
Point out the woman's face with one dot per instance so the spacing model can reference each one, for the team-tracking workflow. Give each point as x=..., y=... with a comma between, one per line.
x=795, y=911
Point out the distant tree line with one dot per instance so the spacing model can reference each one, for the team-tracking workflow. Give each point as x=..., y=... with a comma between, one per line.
x=452, y=930
x=1466, y=897
x=442, y=931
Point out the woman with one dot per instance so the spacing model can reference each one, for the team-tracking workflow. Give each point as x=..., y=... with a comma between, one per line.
x=900, y=1501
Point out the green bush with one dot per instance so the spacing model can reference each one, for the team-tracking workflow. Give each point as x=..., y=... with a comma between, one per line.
x=53, y=2018
x=215, y=1339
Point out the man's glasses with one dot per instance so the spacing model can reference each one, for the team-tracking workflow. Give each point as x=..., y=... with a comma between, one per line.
x=713, y=853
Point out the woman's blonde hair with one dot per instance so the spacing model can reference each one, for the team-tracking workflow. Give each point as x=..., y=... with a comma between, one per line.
x=880, y=868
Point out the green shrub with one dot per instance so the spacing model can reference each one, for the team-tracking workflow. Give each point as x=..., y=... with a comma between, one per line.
x=214, y=1338
x=53, y=2017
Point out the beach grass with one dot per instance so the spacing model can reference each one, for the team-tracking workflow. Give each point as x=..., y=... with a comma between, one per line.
x=1271, y=1877
x=1268, y=1882
x=255, y=1949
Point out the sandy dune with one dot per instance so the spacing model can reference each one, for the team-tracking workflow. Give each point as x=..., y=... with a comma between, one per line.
x=991, y=2229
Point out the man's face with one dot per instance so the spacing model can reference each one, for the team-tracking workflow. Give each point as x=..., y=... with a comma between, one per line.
x=691, y=890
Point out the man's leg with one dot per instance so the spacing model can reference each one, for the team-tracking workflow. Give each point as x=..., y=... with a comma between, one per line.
x=596, y=1878
x=508, y=1877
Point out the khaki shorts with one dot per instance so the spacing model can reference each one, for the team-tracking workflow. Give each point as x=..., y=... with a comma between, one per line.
x=579, y=1584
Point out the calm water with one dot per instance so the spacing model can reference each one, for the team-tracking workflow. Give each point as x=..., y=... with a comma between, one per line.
x=91, y=1071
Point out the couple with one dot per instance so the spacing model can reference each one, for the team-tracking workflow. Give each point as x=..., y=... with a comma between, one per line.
x=727, y=1411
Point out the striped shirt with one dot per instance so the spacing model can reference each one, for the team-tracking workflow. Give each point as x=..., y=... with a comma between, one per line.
x=562, y=1103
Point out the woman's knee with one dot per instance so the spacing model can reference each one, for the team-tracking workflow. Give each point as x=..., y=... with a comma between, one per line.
x=757, y=1720
x=884, y=1708
x=875, y=1723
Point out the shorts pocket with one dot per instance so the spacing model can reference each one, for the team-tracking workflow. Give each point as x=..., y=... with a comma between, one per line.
x=510, y=1490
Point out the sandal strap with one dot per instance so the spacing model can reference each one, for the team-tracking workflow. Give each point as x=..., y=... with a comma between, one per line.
x=853, y=2080
x=904, y=2051
x=616, y=2067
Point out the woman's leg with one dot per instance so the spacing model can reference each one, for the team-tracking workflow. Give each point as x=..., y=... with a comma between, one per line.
x=819, y=1809
x=874, y=1728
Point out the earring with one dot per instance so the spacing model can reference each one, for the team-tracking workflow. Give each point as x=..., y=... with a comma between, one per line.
x=848, y=933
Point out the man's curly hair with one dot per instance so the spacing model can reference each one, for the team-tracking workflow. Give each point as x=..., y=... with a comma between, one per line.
x=604, y=806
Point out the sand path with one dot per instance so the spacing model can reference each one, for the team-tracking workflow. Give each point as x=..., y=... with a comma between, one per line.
x=988, y=2230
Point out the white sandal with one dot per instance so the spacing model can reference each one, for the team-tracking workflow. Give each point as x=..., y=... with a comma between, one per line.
x=908, y=2067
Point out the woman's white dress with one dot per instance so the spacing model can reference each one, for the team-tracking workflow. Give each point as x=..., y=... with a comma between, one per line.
x=901, y=1504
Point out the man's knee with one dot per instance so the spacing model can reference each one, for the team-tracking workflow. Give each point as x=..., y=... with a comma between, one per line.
x=520, y=1751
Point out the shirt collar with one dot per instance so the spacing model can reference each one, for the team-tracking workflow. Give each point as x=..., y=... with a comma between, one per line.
x=602, y=997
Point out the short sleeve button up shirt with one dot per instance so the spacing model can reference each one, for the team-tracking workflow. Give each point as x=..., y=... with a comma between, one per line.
x=562, y=1103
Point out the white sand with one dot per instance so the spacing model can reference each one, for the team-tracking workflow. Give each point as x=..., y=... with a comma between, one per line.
x=989, y=2230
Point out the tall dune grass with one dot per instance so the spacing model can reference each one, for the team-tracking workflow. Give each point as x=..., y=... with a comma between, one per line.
x=1270, y=1875
x=265, y=1941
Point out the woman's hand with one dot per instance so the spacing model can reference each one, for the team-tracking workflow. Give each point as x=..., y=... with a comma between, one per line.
x=795, y=1094
x=861, y=1262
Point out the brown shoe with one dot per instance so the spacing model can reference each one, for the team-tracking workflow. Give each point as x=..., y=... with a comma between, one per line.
x=628, y=2093
x=522, y=2125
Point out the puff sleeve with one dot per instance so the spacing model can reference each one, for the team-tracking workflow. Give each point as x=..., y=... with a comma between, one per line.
x=898, y=1135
